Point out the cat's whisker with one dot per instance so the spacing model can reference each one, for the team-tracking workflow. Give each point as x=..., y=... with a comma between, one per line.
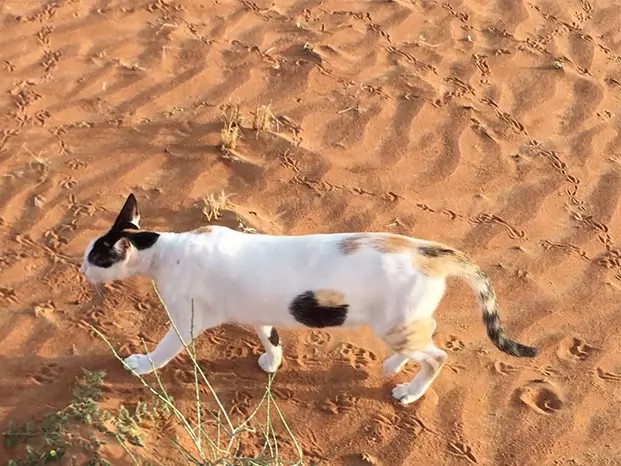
x=98, y=295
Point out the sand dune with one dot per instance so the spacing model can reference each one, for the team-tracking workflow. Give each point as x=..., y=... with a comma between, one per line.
x=492, y=126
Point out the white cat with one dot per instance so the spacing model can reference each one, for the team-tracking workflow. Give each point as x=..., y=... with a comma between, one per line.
x=389, y=282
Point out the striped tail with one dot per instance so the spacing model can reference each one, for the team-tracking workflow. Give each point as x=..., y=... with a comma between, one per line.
x=438, y=260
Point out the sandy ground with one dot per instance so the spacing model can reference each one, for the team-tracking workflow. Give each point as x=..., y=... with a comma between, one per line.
x=491, y=126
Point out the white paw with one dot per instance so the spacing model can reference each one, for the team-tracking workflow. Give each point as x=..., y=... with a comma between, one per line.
x=402, y=393
x=393, y=364
x=269, y=363
x=139, y=363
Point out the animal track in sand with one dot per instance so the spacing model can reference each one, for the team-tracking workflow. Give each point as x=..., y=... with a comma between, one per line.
x=455, y=368
x=341, y=404
x=283, y=394
x=215, y=336
x=241, y=403
x=541, y=396
x=574, y=349
x=306, y=359
x=235, y=351
x=46, y=374
x=10, y=257
x=453, y=343
x=9, y=295
x=504, y=369
x=46, y=309
x=606, y=375
x=356, y=356
x=76, y=164
x=184, y=376
x=547, y=371
x=459, y=448
x=318, y=337
x=381, y=425
x=185, y=373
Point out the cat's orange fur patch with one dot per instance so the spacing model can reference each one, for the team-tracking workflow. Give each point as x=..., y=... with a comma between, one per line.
x=392, y=243
x=412, y=336
x=202, y=230
x=439, y=261
x=329, y=298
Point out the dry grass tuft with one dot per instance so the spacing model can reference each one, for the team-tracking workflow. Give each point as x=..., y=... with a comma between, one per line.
x=214, y=205
x=369, y=459
x=263, y=118
x=230, y=132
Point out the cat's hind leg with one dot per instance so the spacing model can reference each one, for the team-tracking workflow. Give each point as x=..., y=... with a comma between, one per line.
x=272, y=358
x=430, y=359
x=413, y=342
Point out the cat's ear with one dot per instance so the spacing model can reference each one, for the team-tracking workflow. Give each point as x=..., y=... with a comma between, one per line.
x=122, y=245
x=144, y=239
x=129, y=214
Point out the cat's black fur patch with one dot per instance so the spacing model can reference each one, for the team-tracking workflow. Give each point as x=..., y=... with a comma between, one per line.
x=306, y=309
x=105, y=255
x=436, y=251
x=274, y=338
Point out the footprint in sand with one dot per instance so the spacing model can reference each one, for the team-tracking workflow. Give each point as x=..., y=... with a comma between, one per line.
x=503, y=368
x=358, y=357
x=541, y=396
x=184, y=376
x=46, y=374
x=574, y=349
x=235, y=351
x=318, y=337
x=453, y=343
x=341, y=404
x=608, y=375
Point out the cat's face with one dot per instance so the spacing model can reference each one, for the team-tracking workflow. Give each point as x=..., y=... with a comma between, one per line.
x=114, y=255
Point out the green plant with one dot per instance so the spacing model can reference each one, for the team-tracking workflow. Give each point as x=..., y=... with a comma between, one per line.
x=82, y=426
x=214, y=437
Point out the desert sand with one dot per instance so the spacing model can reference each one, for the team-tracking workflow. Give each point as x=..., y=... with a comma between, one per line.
x=490, y=126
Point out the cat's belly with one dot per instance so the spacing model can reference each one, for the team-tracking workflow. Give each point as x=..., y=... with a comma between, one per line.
x=317, y=308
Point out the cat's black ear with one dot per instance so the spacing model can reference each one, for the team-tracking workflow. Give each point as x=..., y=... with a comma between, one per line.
x=143, y=239
x=129, y=214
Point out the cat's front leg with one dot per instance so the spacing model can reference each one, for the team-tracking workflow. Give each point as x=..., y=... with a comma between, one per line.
x=169, y=347
x=272, y=358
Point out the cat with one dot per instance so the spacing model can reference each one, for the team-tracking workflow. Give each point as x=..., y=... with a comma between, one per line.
x=391, y=283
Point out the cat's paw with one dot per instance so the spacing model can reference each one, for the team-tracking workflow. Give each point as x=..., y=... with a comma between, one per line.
x=270, y=362
x=138, y=363
x=403, y=393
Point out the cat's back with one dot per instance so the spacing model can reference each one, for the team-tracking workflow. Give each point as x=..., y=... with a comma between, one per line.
x=335, y=245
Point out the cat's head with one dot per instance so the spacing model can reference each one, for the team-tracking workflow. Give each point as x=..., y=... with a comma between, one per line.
x=115, y=255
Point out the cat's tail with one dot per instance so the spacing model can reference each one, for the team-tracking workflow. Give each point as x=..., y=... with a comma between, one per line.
x=438, y=260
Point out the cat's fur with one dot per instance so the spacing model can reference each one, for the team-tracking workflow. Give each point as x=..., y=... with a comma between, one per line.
x=391, y=283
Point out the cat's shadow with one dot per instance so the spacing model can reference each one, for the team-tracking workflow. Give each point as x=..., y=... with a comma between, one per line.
x=34, y=385
x=336, y=381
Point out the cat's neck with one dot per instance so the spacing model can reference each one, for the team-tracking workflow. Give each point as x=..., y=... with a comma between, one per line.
x=152, y=262
x=159, y=261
